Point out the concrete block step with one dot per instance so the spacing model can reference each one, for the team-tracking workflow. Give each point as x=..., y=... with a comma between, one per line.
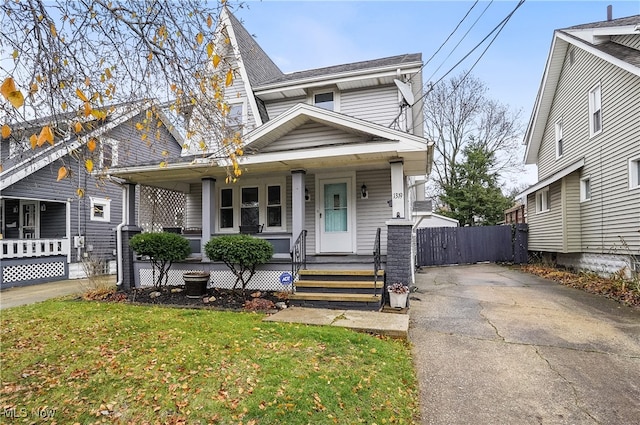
x=331, y=296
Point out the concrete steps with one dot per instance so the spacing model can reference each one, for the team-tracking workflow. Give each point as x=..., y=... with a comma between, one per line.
x=338, y=289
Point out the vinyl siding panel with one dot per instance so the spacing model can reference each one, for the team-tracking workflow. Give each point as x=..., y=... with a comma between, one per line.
x=276, y=108
x=572, y=232
x=632, y=41
x=613, y=213
x=312, y=135
x=193, y=210
x=133, y=150
x=545, y=228
x=379, y=105
x=374, y=211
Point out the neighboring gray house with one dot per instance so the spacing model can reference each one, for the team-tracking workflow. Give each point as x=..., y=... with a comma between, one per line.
x=330, y=153
x=48, y=229
x=584, y=136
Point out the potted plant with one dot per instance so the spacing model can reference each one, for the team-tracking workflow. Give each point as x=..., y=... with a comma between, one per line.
x=398, y=294
x=195, y=283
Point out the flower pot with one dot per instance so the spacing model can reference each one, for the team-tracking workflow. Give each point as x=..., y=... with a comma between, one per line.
x=195, y=284
x=398, y=300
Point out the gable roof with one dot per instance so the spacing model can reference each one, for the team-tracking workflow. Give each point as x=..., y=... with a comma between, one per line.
x=119, y=114
x=594, y=38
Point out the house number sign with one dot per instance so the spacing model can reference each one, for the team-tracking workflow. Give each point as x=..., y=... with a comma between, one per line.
x=397, y=195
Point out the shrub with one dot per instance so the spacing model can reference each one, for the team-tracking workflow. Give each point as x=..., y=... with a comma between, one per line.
x=162, y=249
x=241, y=253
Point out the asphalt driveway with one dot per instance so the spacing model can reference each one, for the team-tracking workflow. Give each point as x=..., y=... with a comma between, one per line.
x=496, y=346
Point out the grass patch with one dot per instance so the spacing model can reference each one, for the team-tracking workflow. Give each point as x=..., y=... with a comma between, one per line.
x=88, y=362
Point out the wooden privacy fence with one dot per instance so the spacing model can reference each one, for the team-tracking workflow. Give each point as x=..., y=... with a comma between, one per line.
x=467, y=245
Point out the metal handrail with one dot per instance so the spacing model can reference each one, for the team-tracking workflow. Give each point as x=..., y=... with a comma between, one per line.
x=376, y=262
x=299, y=255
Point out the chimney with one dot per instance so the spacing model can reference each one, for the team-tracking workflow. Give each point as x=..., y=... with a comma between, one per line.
x=609, y=13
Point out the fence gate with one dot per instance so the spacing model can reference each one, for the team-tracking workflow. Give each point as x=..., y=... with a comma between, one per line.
x=467, y=245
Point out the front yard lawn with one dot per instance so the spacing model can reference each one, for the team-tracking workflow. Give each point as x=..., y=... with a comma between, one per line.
x=68, y=361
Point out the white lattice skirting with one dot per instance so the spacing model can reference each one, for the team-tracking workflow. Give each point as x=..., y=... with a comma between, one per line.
x=29, y=272
x=263, y=280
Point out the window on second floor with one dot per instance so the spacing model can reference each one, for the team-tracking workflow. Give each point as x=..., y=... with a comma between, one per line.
x=634, y=173
x=542, y=200
x=559, y=139
x=585, y=189
x=235, y=118
x=595, y=111
x=324, y=100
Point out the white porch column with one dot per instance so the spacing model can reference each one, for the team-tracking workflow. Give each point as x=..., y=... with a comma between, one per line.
x=397, y=189
x=297, y=203
x=208, y=211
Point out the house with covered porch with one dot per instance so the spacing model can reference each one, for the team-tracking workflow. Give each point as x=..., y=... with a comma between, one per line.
x=53, y=229
x=334, y=162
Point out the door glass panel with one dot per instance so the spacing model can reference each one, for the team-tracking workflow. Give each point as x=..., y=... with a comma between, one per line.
x=335, y=207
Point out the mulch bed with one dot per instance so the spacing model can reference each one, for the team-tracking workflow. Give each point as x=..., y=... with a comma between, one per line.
x=216, y=298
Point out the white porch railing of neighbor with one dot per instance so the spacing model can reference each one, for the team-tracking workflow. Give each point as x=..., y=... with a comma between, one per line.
x=31, y=248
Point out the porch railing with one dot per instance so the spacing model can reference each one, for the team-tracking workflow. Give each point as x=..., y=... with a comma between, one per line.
x=376, y=262
x=30, y=248
x=299, y=254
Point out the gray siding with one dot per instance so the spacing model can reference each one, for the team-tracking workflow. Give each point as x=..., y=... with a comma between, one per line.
x=374, y=211
x=613, y=213
x=310, y=214
x=632, y=41
x=548, y=225
x=379, y=105
x=571, y=232
x=312, y=135
x=278, y=107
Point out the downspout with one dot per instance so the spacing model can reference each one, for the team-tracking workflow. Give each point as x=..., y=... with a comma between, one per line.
x=119, y=261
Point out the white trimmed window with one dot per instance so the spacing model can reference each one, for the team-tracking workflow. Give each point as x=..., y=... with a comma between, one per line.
x=595, y=111
x=108, y=153
x=100, y=209
x=559, y=139
x=542, y=200
x=256, y=204
x=634, y=173
x=329, y=99
x=236, y=117
x=585, y=189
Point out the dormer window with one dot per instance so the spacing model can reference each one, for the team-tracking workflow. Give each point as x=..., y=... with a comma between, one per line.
x=324, y=100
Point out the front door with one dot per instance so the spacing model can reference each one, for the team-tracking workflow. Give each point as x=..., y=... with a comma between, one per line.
x=28, y=220
x=335, y=216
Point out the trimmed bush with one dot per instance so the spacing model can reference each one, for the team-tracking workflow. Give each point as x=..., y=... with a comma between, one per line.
x=241, y=253
x=163, y=249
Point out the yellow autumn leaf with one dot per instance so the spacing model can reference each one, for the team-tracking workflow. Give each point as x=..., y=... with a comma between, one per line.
x=216, y=61
x=77, y=127
x=163, y=164
x=46, y=135
x=150, y=57
x=165, y=153
x=62, y=173
x=107, y=72
x=87, y=81
x=199, y=38
x=16, y=98
x=91, y=145
x=229, y=79
x=139, y=126
x=34, y=141
x=209, y=21
x=6, y=131
x=54, y=33
x=80, y=192
x=88, y=164
x=143, y=137
x=64, y=106
x=99, y=114
x=87, y=109
x=8, y=87
x=209, y=49
x=15, y=54
x=81, y=95
x=33, y=89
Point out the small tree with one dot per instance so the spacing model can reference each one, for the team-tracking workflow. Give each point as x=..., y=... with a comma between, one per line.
x=162, y=249
x=241, y=253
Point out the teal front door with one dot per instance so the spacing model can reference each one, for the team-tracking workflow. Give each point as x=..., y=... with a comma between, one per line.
x=335, y=216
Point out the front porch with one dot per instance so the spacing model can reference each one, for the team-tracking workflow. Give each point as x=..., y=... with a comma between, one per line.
x=32, y=261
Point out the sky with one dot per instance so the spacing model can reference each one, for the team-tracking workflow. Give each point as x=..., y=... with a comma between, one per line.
x=300, y=35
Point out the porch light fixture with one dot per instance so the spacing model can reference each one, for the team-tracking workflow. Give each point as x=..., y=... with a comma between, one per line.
x=43, y=207
x=364, y=192
x=307, y=197
x=15, y=209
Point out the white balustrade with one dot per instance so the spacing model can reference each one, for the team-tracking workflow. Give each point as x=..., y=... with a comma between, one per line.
x=31, y=248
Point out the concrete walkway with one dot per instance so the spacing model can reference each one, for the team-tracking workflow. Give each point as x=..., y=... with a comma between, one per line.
x=23, y=295
x=495, y=346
